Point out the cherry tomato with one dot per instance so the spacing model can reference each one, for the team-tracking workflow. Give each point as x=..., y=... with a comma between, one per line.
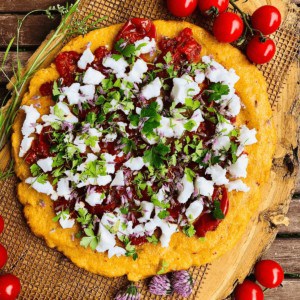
x=268, y=273
x=181, y=8
x=1, y=224
x=136, y=29
x=210, y=6
x=10, y=287
x=3, y=256
x=248, y=290
x=228, y=27
x=260, y=51
x=266, y=19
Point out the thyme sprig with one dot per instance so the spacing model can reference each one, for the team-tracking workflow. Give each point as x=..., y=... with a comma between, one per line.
x=19, y=83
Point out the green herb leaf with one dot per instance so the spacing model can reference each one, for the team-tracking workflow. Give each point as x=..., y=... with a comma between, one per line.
x=189, y=230
x=164, y=265
x=163, y=214
x=217, y=90
x=156, y=155
x=189, y=125
x=129, y=145
x=190, y=175
x=152, y=239
x=217, y=212
x=35, y=170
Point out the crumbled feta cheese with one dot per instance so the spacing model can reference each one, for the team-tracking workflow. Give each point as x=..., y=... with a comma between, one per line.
x=119, y=179
x=233, y=105
x=110, y=137
x=134, y=163
x=94, y=198
x=237, y=185
x=39, y=128
x=88, y=92
x=239, y=168
x=107, y=239
x=218, y=174
x=167, y=230
x=93, y=76
x=187, y=191
x=44, y=188
x=160, y=104
x=32, y=115
x=25, y=145
x=197, y=117
x=72, y=93
x=204, y=187
x=184, y=87
x=247, y=136
x=63, y=188
x=217, y=73
x=86, y=58
x=80, y=144
x=45, y=164
x=148, y=46
x=118, y=66
x=224, y=128
x=109, y=163
x=220, y=143
x=200, y=77
x=137, y=71
x=194, y=210
x=152, y=89
x=165, y=129
x=116, y=251
x=147, y=209
x=66, y=222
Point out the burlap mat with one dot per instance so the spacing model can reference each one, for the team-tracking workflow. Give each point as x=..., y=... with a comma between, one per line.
x=46, y=273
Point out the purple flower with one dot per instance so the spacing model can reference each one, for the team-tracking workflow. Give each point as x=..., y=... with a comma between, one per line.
x=182, y=283
x=160, y=285
x=130, y=293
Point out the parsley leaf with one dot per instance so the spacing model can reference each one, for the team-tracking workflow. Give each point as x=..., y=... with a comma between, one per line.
x=217, y=212
x=152, y=239
x=90, y=240
x=129, y=145
x=156, y=155
x=126, y=50
x=163, y=214
x=217, y=90
x=190, y=175
x=55, y=91
x=35, y=170
x=63, y=214
x=189, y=125
x=134, y=119
x=164, y=265
x=154, y=118
x=42, y=178
x=83, y=216
x=189, y=230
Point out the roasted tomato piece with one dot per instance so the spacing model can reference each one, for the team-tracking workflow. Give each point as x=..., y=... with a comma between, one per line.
x=206, y=221
x=46, y=88
x=183, y=47
x=100, y=53
x=136, y=241
x=62, y=204
x=136, y=29
x=31, y=156
x=175, y=211
x=66, y=64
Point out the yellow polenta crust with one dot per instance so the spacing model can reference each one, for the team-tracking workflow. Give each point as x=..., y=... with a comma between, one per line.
x=182, y=252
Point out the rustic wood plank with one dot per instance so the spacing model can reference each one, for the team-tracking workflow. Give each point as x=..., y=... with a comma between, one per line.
x=286, y=252
x=28, y=5
x=289, y=290
x=294, y=217
x=33, y=32
x=11, y=61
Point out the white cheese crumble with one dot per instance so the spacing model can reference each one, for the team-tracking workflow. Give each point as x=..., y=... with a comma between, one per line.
x=63, y=188
x=66, y=222
x=43, y=188
x=146, y=45
x=139, y=68
x=93, y=76
x=25, y=145
x=247, y=136
x=239, y=168
x=237, y=185
x=32, y=115
x=118, y=67
x=218, y=174
x=184, y=87
x=135, y=163
x=86, y=58
x=187, y=190
x=45, y=164
x=152, y=89
x=204, y=187
x=194, y=210
x=119, y=179
x=94, y=198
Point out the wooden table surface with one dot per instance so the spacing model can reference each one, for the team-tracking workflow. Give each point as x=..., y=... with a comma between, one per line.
x=285, y=249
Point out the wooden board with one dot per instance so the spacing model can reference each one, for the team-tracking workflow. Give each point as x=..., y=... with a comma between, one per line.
x=262, y=230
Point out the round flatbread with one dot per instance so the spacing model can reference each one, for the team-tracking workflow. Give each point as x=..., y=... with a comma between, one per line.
x=183, y=252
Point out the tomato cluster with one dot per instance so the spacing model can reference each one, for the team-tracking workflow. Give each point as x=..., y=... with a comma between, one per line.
x=268, y=273
x=229, y=27
x=10, y=285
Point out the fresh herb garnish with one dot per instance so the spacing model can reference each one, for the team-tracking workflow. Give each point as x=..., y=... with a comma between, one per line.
x=91, y=239
x=156, y=155
x=216, y=91
x=217, y=211
x=164, y=265
x=189, y=230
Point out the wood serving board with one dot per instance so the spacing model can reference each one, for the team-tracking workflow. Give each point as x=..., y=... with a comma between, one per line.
x=213, y=281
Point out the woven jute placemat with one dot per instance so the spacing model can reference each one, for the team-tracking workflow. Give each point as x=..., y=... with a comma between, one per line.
x=46, y=273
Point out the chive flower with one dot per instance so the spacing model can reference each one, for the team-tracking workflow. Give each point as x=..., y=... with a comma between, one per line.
x=160, y=285
x=182, y=283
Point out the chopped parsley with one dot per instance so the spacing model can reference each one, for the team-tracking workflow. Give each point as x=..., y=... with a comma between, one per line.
x=216, y=91
x=164, y=265
x=189, y=230
x=217, y=211
x=129, y=145
x=152, y=239
x=35, y=170
x=189, y=125
x=91, y=239
x=190, y=174
x=156, y=155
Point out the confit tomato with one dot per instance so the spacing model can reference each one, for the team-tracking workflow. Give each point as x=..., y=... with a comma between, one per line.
x=248, y=290
x=46, y=89
x=208, y=7
x=228, y=27
x=266, y=19
x=183, y=47
x=181, y=8
x=136, y=29
x=10, y=287
x=100, y=53
x=206, y=221
x=268, y=273
x=136, y=241
x=261, y=50
x=66, y=64
x=3, y=256
x=1, y=224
